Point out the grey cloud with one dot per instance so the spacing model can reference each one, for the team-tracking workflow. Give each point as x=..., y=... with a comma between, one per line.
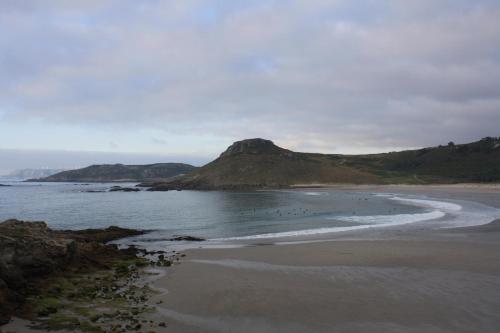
x=300, y=72
x=158, y=141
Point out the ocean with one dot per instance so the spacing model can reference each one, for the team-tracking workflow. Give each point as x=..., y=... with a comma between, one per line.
x=228, y=217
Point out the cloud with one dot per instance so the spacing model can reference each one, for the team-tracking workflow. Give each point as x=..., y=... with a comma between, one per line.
x=342, y=75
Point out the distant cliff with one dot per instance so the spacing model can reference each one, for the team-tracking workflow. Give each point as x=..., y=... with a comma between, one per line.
x=259, y=163
x=121, y=173
x=31, y=173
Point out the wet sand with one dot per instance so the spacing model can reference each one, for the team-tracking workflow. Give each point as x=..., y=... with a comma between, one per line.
x=393, y=280
x=344, y=286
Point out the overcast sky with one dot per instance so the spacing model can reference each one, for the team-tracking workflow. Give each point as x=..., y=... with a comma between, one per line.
x=141, y=80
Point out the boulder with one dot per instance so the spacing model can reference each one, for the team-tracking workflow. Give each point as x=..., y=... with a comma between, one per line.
x=187, y=238
x=123, y=189
x=102, y=235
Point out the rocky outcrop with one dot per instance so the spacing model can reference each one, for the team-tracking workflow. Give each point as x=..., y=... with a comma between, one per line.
x=124, y=189
x=101, y=235
x=30, y=251
x=254, y=146
x=162, y=187
x=187, y=238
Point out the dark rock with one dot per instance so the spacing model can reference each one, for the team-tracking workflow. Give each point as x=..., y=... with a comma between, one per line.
x=5, y=185
x=123, y=189
x=187, y=238
x=30, y=251
x=9, y=300
x=102, y=235
x=162, y=188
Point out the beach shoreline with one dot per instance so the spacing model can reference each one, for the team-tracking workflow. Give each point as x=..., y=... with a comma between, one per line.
x=454, y=186
x=418, y=285
x=394, y=279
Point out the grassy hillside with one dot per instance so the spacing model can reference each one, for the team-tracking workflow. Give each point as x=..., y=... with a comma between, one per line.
x=121, y=172
x=258, y=163
x=473, y=162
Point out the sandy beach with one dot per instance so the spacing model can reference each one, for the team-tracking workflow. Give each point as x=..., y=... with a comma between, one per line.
x=344, y=286
x=397, y=280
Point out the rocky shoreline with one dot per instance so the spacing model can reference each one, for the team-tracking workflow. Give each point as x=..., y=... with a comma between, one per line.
x=32, y=255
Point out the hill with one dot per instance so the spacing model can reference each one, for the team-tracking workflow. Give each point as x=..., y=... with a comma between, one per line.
x=259, y=163
x=121, y=173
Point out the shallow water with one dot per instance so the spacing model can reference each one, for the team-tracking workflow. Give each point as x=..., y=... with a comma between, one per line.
x=230, y=215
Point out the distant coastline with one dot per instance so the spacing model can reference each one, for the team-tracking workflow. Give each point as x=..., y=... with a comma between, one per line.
x=120, y=173
x=254, y=164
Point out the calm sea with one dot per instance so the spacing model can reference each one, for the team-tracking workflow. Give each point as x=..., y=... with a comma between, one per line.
x=229, y=215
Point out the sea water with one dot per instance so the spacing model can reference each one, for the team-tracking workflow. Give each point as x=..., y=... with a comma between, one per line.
x=231, y=216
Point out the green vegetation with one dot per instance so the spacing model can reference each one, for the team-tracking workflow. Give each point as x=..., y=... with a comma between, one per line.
x=258, y=163
x=46, y=306
x=106, y=301
x=474, y=162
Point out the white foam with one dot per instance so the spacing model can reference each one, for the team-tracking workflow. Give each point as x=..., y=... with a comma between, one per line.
x=441, y=205
x=473, y=214
x=440, y=214
x=392, y=219
x=383, y=221
x=383, y=195
x=438, y=210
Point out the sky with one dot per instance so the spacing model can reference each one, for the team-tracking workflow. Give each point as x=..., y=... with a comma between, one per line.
x=109, y=81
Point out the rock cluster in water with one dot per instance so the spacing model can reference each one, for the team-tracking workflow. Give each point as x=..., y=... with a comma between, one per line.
x=124, y=189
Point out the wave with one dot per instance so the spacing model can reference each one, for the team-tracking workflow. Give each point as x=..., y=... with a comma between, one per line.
x=391, y=219
x=473, y=214
x=372, y=222
x=435, y=210
x=441, y=205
